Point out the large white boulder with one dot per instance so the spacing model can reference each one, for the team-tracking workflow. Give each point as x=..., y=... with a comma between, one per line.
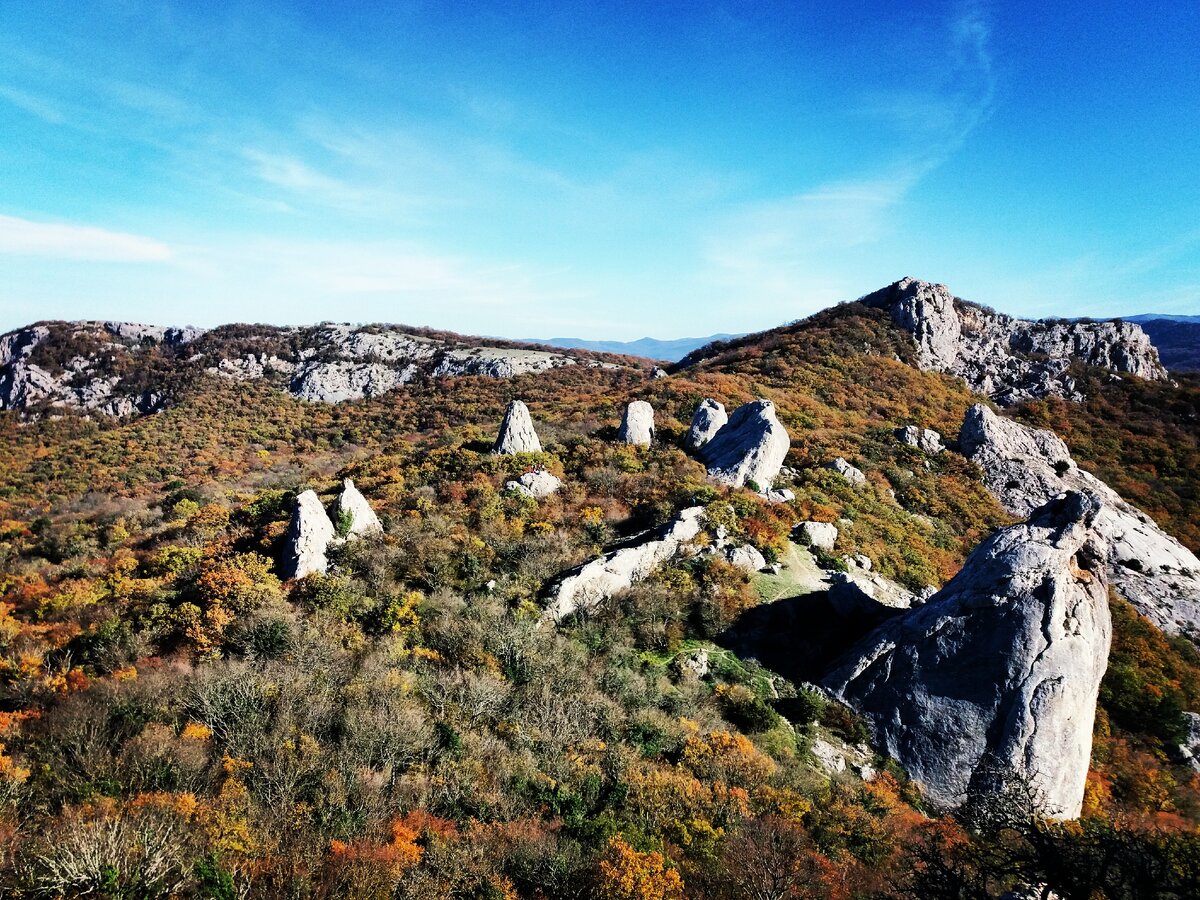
x=995, y=679
x=709, y=418
x=637, y=426
x=350, y=502
x=1024, y=467
x=537, y=484
x=516, y=431
x=308, y=538
x=817, y=534
x=751, y=446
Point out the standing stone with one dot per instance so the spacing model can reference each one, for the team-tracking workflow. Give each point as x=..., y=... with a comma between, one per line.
x=707, y=420
x=351, y=502
x=637, y=427
x=516, y=431
x=308, y=538
x=996, y=677
x=751, y=446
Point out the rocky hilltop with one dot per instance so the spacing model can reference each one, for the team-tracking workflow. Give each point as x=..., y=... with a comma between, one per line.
x=122, y=369
x=1007, y=358
x=995, y=679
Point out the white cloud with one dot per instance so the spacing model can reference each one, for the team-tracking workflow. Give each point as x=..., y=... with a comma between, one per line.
x=80, y=242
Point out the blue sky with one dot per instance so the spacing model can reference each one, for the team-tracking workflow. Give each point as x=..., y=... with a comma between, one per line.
x=598, y=169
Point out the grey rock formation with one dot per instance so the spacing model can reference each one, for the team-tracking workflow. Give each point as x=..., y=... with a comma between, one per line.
x=709, y=418
x=817, y=534
x=751, y=446
x=1024, y=467
x=780, y=495
x=860, y=592
x=1010, y=359
x=308, y=538
x=849, y=472
x=351, y=503
x=637, y=425
x=616, y=570
x=537, y=484
x=746, y=557
x=997, y=675
x=1189, y=750
x=337, y=382
x=924, y=439
x=516, y=431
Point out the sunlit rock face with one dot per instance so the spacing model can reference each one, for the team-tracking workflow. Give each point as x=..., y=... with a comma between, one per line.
x=309, y=535
x=354, y=506
x=516, y=431
x=751, y=446
x=995, y=679
x=637, y=425
x=709, y=418
x=1024, y=467
x=1007, y=358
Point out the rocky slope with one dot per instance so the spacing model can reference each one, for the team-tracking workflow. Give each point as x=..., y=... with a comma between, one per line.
x=995, y=679
x=1024, y=467
x=1007, y=358
x=121, y=369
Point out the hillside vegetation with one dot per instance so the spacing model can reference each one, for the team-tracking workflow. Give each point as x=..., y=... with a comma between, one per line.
x=175, y=720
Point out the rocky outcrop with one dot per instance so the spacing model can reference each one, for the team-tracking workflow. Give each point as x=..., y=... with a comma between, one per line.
x=1024, y=467
x=619, y=568
x=308, y=538
x=746, y=557
x=1010, y=359
x=709, y=418
x=924, y=439
x=751, y=446
x=849, y=472
x=516, y=431
x=996, y=677
x=336, y=382
x=353, y=506
x=637, y=425
x=537, y=484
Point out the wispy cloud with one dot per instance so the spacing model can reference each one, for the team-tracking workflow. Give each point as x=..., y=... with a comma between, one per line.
x=23, y=237
x=44, y=109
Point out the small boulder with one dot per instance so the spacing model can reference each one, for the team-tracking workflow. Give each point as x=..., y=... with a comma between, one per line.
x=637, y=426
x=751, y=446
x=924, y=439
x=780, y=495
x=353, y=505
x=707, y=420
x=308, y=538
x=537, y=484
x=746, y=557
x=695, y=663
x=817, y=534
x=516, y=431
x=849, y=472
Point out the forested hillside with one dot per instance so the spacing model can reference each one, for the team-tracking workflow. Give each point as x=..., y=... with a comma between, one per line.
x=177, y=720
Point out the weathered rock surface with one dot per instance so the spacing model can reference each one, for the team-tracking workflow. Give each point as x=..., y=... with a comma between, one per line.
x=849, y=472
x=619, y=568
x=537, y=484
x=860, y=592
x=637, y=425
x=924, y=439
x=1024, y=467
x=308, y=538
x=751, y=446
x=337, y=382
x=1010, y=359
x=352, y=503
x=709, y=418
x=746, y=557
x=817, y=534
x=1189, y=750
x=516, y=431
x=997, y=675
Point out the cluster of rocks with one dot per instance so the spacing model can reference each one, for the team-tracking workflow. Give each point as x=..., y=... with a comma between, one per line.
x=1025, y=467
x=312, y=532
x=994, y=680
x=85, y=382
x=924, y=439
x=1007, y=358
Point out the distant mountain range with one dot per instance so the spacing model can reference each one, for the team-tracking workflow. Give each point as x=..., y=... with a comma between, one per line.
x=1176, y=337
x=650, y=348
